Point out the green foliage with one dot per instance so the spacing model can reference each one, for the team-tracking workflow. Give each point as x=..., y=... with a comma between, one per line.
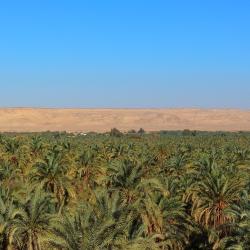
x=167, y=190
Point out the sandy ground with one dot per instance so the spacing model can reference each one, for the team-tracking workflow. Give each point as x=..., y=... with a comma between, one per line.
x=101, y=120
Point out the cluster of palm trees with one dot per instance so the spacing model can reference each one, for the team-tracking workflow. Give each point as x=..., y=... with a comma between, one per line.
x=59, y=191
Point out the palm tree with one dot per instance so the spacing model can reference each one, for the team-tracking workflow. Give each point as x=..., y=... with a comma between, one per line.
x=12, y=146
x=124, y=176
x=7, y=212
x=175, y=165
x=36, y=145
x=99, y=226
x=8, y=174
x=52, y=175
x=31, y=222
x=85, y=168
x=164, y=217
x=216, y=200
x=241, y=234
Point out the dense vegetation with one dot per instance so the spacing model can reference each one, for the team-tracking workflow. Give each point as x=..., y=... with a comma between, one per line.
x=137, y=191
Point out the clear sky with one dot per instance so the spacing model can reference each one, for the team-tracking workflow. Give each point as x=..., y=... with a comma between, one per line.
x=125, y=53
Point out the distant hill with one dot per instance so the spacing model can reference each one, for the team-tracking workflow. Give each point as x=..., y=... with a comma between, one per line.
x=101, y=120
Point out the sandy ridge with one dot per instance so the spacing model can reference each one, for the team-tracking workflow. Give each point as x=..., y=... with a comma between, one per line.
x=101, y=120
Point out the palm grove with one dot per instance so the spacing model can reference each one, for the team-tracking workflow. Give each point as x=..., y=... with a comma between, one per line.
x=134, y=191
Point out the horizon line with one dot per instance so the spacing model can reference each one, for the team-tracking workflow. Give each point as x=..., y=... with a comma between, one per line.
x=120, y=108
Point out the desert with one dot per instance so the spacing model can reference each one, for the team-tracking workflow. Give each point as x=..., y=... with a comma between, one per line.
x=102, y=120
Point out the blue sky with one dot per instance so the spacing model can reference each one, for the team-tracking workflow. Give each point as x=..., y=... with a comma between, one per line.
x=126, y=53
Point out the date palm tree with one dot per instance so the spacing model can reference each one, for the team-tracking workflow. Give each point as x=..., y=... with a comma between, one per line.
x=7, y=212
x=97, y=226
x=124, y=176
x=32, y=221
x=216, y=201
x=52, y=175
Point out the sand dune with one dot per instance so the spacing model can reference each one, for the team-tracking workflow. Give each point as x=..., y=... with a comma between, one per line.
x=101, y=120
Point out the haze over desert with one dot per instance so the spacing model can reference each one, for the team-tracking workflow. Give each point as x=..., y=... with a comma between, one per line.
x=102, y=120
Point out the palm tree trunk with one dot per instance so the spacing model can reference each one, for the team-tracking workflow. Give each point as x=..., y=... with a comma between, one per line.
x=30, y=246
